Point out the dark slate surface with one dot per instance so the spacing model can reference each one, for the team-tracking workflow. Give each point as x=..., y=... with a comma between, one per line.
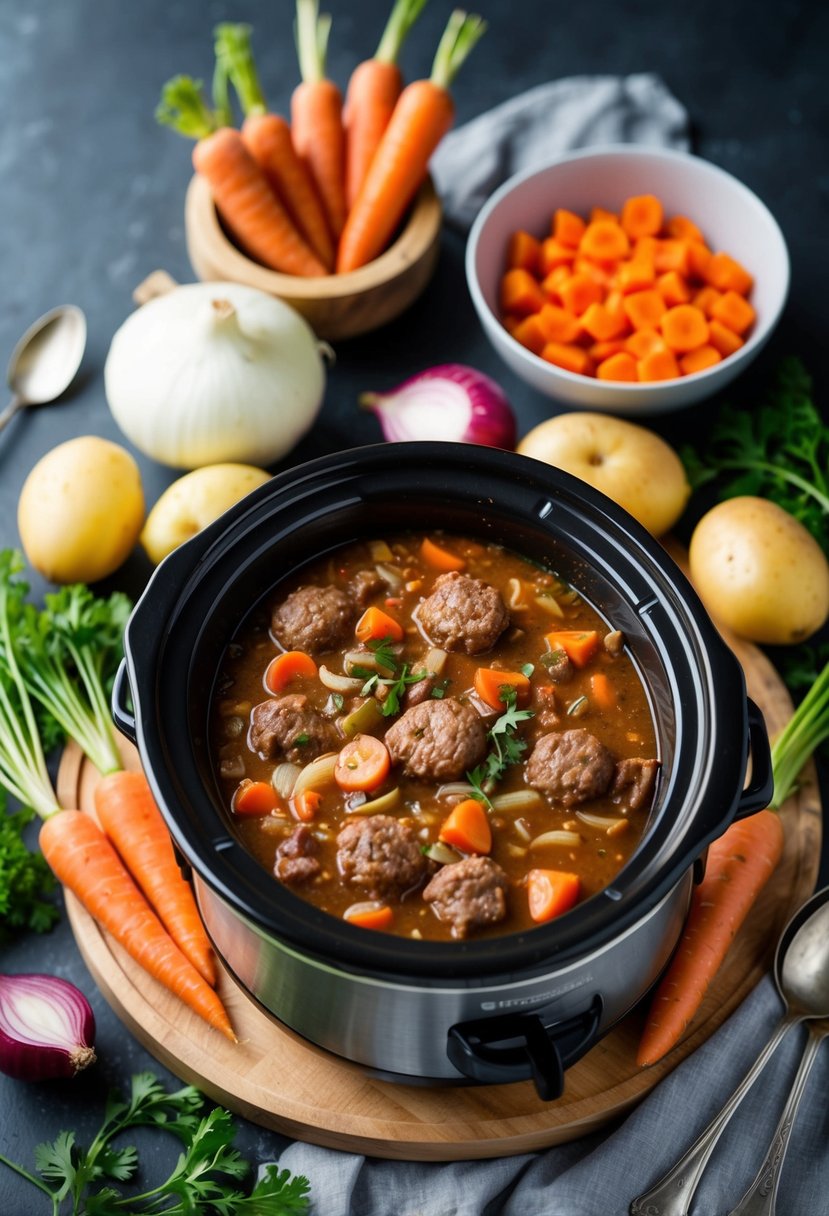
x=91, y=201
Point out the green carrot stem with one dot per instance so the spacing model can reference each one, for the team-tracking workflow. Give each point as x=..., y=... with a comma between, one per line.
x=234, y=56
x=311, y=32
x=401, y=19
x=463, y=31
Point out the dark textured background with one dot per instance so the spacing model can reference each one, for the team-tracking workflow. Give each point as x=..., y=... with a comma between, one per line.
x=91, y=200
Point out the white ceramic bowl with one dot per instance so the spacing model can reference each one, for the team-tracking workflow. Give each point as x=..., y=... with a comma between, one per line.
x=730, y=216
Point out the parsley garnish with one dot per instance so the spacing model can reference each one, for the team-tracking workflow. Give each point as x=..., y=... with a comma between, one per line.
x=338, y=699
x=24, y=878
x=401, y=678
x=382, y=649
x=302, y=739
x=203, y=1180
x=506, y=748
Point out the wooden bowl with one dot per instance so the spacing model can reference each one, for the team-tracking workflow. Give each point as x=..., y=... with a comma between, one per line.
x=336, y=305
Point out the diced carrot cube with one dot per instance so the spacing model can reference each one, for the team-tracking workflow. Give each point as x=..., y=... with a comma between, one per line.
x=644, y=342
x=520, y=292
x=618, y=367
x=642, y=216
x=682, y=229
x=735, y=312
x=604, y=241
x=599, y=213
x=684, y=328
x=659, y=365
x=600, y=351
x=644, y=308
x=614, y=302
x=673, y=288
x=511, y=322
x=602, y=324
x=558, y=324
x=553, y=254
x=723, y=339
x=579, y=292
x=568, y=228
x=727, y=274
x=645, y=247
x=599, y=272
x=552, y=284
x=530, y=333
x=571, y=358
x=636, y=275
x=697, y=360
x=706, y=298
x=671, y=255
x=523, y=251
x=699, y=255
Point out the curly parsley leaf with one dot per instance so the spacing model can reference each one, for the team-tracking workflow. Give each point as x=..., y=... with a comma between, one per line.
x=506, y=747
x=25, y=878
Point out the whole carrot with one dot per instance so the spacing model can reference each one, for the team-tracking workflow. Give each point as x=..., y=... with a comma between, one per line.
x=128, y=814
x=240, y=189
x=739, y=864
x=422, y=116
x=83, y=859
x=267, y=137
x=316, y=114
x=372, y=94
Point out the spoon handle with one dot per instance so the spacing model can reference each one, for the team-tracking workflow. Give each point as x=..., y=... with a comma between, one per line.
x=673, y=1193
x=10, y=410
x=761, y=1196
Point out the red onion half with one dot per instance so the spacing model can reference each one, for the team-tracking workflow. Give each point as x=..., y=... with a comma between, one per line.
x=46, y=1028
x=451, y=402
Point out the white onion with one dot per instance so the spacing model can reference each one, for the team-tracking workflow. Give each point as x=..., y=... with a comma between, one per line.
x=559, y=837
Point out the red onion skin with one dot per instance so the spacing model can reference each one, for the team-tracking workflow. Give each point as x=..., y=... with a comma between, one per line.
x=41, y=1062
x=491, y=422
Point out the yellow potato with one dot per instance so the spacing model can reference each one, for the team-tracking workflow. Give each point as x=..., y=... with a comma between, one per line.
x=193, y=502
x=81, y=510
x=758, y=571
x=630, y=464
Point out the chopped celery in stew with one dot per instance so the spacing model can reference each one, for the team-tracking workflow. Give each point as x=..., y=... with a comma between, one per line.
x=434, y=737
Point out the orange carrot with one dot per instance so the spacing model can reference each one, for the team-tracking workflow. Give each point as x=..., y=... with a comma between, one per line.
x=369, y=915
x=734, y=312
x=621, y=366
x=644, y=342
x=555, y=280
x=439, y=557
x=551, y=893
x=684, y=328
x=579, y=292
x=520, y=292
x=658, y=364
x=706, y=298
x=489, y=683
x=636, y=275
x=422, y=116
x=255, y=798
x=723, y=339
x=600, y=213
x=642, y=216
x=604, y=240
x=292, y=665
x=601, y=323
x=739, y=864
x=673, y=288
x=530, y=332
x=672, y=255
x=568, y=228
x=571, y=358
x=602, y=690
x=373, y=90
x=305, y=805
x=578, y=644
x=697, y=360
x=727, y=274
x=363, y=764
x=682, y=229
x=128, y=814
x=600, y=352
x=523, y=252
x=558, y=324
x=376, y=624
x=316, y=114
x=83, y=859
x=644, y=308
x=552, y=254
x=467, y=827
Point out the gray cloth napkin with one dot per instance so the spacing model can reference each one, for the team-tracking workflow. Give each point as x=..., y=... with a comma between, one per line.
x=531, y=129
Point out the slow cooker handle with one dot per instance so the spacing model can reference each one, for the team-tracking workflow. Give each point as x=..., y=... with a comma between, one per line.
x=519, y=1047
x=121, y=712
x=758, y=794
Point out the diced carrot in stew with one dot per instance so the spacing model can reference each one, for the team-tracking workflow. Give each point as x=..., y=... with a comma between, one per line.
x=644, y=308
x=705, y=299
x=579, y=292
x=440, y=558
x=734, y=312
x=673, y=287
x=558, y=324
x=292, y=665
x=727, y=274
x=644, y=342
x=467, y=827
x=571, y=358
x=605, y=241
x=363, y=764
x=531, y=333
x=376, y=624
x=551, y=893
x=553, y=254
x=658, y=365
x=523, y=252
x=697, y=360
x=490, y=683
x=568, y=228
x=520, y=293
x=682, y=229
x=602, y=691
x=723, y=339
x=578, y=644
x=642, y=216
x=368, y=917
x=671, y=255
x=306, y=804
x=602, y=324
x=255, y=798
x=618, y=367
x=684, y=328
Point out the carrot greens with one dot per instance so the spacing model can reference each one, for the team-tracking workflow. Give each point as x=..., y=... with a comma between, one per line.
x=803, y=734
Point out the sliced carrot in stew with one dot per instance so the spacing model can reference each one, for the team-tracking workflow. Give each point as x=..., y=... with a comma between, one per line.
x=306, y=804
x=467, y=828
x=363, y=764
x=292, y=665
x=438, y=557
x=602, y=690
x=255, y=798
x=376, y=624
x=578, y=644
x=551, y=893
x=368, y=917
x=489, y=684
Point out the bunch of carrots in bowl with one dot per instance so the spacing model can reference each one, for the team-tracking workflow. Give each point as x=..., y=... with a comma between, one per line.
x=322, y=197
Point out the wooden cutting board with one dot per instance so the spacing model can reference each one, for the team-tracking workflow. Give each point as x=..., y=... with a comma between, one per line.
x=279, y=1081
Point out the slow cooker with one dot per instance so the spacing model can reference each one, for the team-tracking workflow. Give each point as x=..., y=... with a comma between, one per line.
x=525, y=1005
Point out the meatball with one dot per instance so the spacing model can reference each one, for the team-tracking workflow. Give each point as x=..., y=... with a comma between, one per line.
x=365, y=585
x=573, y=766
x=289, y=726
x=463, y=613
x=314, y=619
x=468, y=894
x=634, y=781
x=380, y=855
x=438, y=740
x=295, y=860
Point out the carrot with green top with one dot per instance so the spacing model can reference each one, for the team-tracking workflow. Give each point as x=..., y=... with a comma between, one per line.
x=316, y=114
x=372, y=94
x=422, y=116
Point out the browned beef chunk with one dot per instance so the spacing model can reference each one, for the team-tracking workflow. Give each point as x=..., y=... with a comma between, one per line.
x=380, y=855
x=464, y=613
x=295, y=860
x=288, y=726
x=438, y=740
x=314, y=619
x=558, y=666
x=365, y=585
x=468, y=894
x=573, y=766
x=634, y=781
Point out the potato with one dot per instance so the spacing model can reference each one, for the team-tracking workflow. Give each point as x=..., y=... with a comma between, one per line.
x=193, y=502
x=81, y=510
x=630, y=464
x=758, y=571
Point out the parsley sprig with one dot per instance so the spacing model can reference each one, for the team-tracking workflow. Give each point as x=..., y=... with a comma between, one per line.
x=25, y=878
x=204, y=1178
x=397, y=683
x=506, y=747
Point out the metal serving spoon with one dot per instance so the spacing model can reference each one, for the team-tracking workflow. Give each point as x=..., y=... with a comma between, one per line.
x=45, y=360
x=801, y=973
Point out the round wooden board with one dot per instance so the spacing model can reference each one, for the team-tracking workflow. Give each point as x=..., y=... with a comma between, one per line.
x=279, y=1081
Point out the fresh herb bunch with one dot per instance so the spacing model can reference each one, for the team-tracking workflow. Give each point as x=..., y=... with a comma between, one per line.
x=803, y=734
x=25, y=878
x=204, y=1179
x=400, y=679
x=779, y=450
x=506, y=747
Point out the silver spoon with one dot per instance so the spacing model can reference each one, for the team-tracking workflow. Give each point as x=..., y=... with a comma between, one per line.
x=45, y=360
x=801, y=973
